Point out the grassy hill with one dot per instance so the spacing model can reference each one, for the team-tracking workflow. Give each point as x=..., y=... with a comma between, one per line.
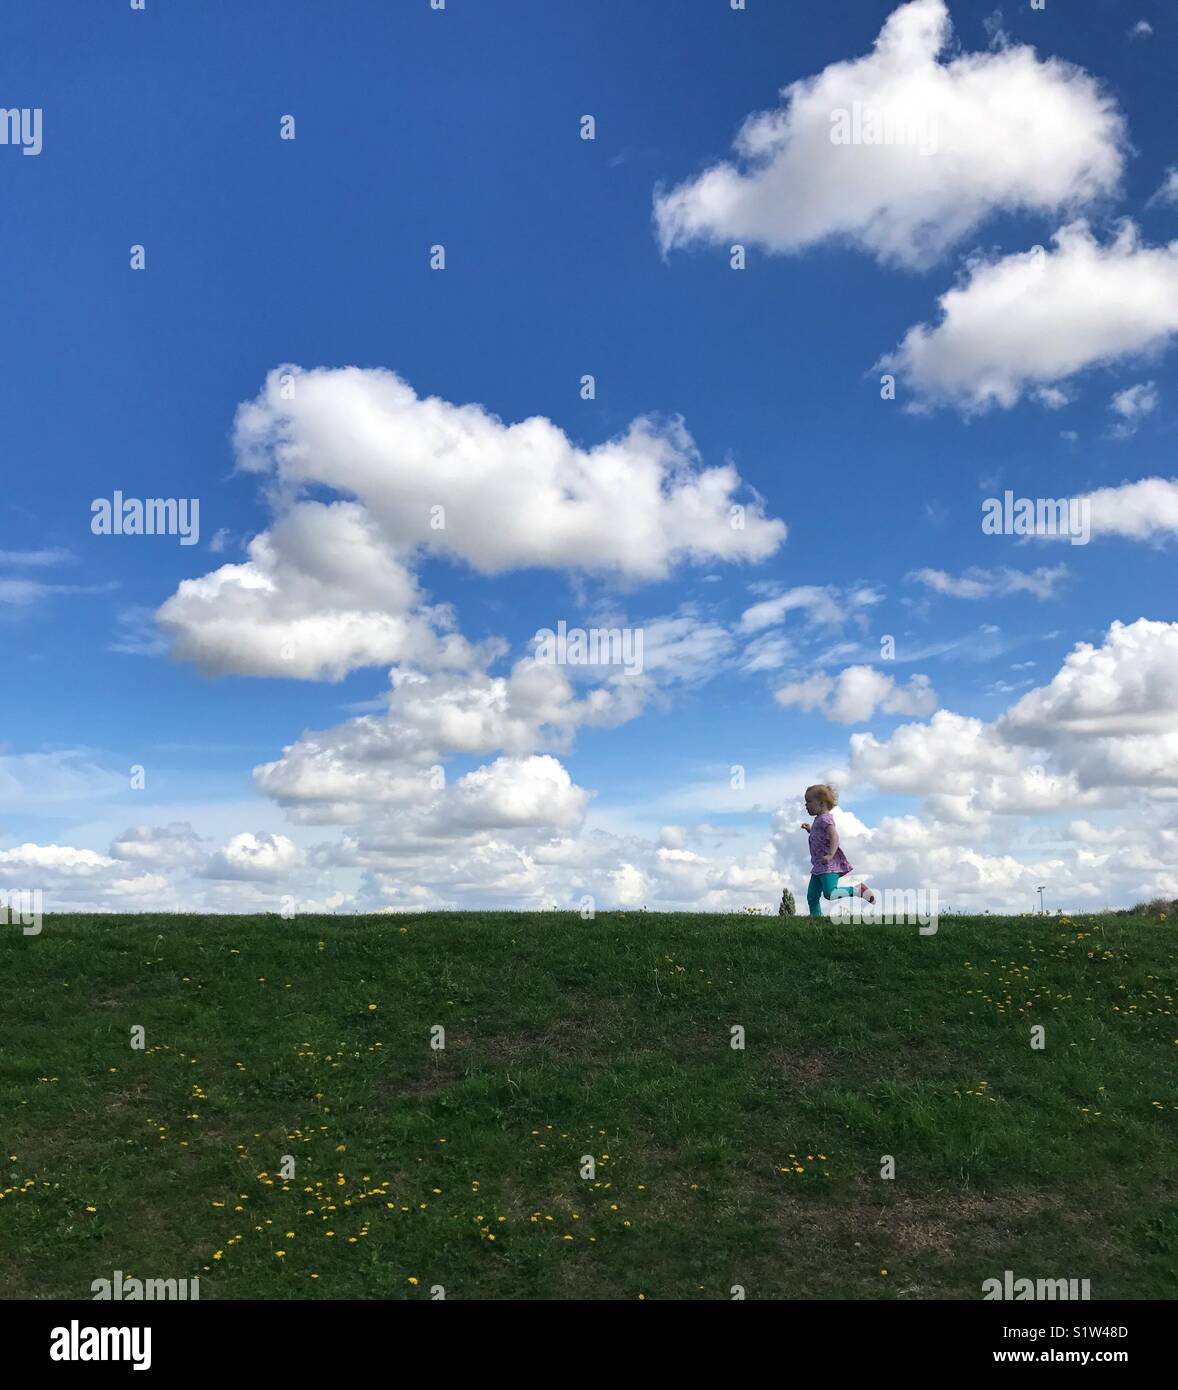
x=714, y=1166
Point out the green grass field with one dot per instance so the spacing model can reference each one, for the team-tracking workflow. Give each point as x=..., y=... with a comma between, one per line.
x=715, y=1167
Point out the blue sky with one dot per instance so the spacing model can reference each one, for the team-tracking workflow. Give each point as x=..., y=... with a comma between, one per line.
x=461, y=127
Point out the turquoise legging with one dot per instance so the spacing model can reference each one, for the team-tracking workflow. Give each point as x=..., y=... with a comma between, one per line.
x=825, y=886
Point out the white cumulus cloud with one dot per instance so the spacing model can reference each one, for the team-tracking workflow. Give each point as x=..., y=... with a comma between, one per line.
x=1145, y=510
x=989, y=130
x=856, y=693
x=250, y=856
x=331, y=586
x=1036, y=318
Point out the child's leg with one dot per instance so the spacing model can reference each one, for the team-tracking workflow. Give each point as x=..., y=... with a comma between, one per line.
x=830, y=888
x=813, y=896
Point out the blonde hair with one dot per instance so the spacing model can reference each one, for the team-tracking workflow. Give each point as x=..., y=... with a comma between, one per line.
x=823, y=794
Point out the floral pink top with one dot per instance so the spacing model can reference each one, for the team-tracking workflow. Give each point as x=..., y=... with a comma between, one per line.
x=820, y=842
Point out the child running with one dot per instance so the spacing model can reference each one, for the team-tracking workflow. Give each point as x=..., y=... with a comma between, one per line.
x=828, y=863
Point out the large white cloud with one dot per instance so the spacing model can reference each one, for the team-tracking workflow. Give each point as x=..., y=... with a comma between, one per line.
x=1111, y=713
x=964, y=770
x=53, y=859
x=338, y=775
x=331, y=586
x=1143, y=510
x=512, y=496
x=1038, y=317
x=71, y=879
x=991, y=131
x=947, y=755
x=321, y=594
x=250, y=856
x=1103, y=729
x=511, y=793
x=1128, y=685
